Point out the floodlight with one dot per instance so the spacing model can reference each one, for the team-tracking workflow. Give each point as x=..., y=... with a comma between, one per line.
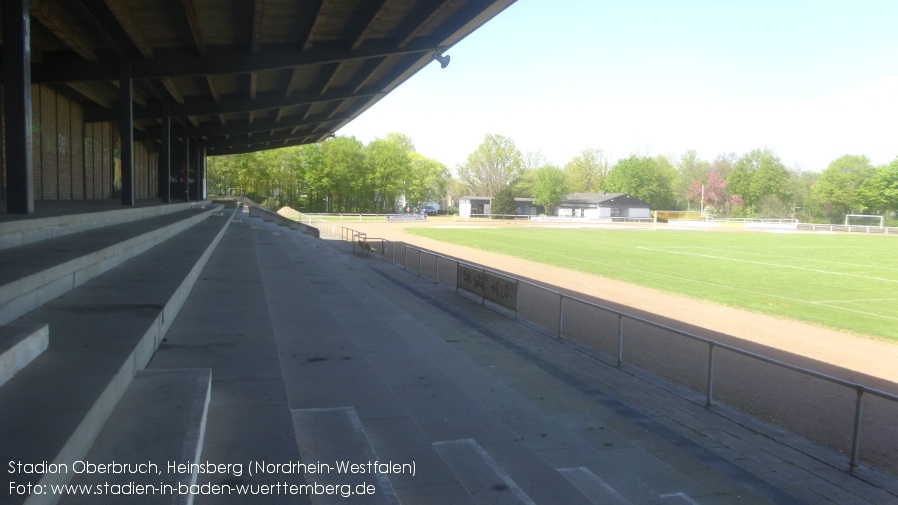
x=443, y=59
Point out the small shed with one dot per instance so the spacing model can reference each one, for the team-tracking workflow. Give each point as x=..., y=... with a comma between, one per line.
x=604, y=205
x=526, y=207
x=473, y=205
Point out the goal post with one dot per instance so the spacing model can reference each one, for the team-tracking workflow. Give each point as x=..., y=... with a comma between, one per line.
x=871, y=220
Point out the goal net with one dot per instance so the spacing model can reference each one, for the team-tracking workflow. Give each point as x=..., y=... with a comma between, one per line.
x=864, y=220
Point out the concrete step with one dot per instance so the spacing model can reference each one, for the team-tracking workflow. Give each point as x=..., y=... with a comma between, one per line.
x=28, y=229
x=104, y=331
x=38, y=272
x=155, y=434
x=249, y=415
x=19, y=345
x=480, y=475
x=594, y=488
x=335, y=436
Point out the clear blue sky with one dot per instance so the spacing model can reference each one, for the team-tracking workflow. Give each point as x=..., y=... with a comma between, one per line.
x=812, y=80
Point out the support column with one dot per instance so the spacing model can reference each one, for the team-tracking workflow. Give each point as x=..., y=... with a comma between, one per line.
x=194, y=173
x=126, y=126
x=201, y=171
x=17, y=106
x=165, y=158
x=185, y=171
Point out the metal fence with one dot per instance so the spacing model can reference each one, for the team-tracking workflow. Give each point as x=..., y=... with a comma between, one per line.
x=621, y=334
x=885, y=230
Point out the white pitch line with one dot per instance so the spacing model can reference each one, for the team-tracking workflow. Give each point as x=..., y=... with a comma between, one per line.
x=780, y=256
x=859, y=300
x=680, y=495
x=764, y=263
x=862, y=312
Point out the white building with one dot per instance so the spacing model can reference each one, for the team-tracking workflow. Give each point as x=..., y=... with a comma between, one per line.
x=595, y=205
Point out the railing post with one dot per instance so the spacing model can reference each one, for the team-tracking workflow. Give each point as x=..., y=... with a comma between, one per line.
x=560, y=315
x=856, y=436
x=483, y=287
x=419, y=262
x=620, y=340
x=405, y=260
x=456, y=277
x=709, y=401
x=436, y=264
x=517, y=298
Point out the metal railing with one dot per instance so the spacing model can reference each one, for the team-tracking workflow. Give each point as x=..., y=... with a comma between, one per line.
x=712, y=345
x=885, y=230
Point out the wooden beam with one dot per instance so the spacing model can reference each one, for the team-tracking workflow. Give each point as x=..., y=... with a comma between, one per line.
x=319, y=18
x=92, y=95
x=379, y=11
x=271, y=57
x=420, y=22
x=63, y=28
x=124, y=20
x=258, y=16
x=194, y=23
x=213, y=89
x=172, y=90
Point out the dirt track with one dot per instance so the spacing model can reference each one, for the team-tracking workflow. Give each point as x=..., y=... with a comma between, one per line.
x=816, y=409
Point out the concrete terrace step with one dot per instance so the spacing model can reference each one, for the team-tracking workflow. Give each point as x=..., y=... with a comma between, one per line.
x=487, y=483
x=156, y=434
x=103, y=332
x=19, y=345
x=351, y=339
x=25, y=230
x=593, y=487
x=331, y=436
x=41, y=271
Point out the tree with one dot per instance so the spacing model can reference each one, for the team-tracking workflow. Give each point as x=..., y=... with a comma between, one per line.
x=503, y=202
x=549, y=187
x=880, y=192
x=531, y=160
x=692, y=172
x=757, y=175
x=388, y=167
x=799, y=190
x=492, y=166
x=587, y=171
x=343, y=173
x=427, y=179
x=454, y=190
x=523, y=183
x=712, y=196
x=643, y=178
x=839, y=188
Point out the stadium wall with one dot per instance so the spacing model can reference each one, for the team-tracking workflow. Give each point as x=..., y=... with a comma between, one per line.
x=74, y=160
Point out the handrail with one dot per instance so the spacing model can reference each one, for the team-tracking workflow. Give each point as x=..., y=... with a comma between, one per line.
x=860, y=389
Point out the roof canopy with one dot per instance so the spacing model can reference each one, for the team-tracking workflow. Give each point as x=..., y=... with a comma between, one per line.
x=242, y=75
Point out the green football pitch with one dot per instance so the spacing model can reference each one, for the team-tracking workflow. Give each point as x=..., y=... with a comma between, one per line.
x=843, y=281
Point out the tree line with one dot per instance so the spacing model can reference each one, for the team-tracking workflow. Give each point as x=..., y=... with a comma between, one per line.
x=340, y=174
x=344, y=175
x=753, y=185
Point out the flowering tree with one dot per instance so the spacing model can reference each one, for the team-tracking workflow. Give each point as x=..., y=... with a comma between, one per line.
x=716, y=197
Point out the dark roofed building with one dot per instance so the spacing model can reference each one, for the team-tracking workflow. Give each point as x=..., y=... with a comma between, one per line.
x=607, y=205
